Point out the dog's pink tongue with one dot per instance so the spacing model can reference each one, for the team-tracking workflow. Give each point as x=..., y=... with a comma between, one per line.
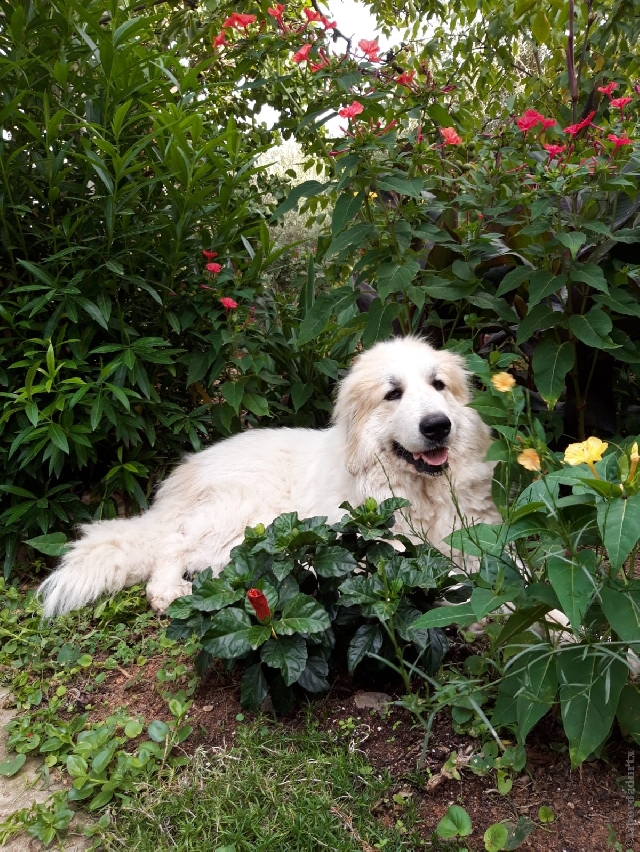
x=435, y=457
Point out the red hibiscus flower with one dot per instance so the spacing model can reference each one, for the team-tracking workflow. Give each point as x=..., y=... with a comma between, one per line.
x=528, y=120
x=302, y=55
x=213, y=268
x=228, y=303
x=371, y=49
x=450, y=136
x=238, y=21
x=209, y=254
x=277, y=11
x=406, y=78
x=608, y=89
x=260, y=604
x=312, y=15
x=618, y=141
x=351, y=111
x=619, y=103
x=574, y=129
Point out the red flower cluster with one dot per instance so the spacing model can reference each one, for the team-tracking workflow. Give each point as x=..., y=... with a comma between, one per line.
x=554, y=150
x=351, y=111
x=260, y=604
x=238, y=21
x=619, y=103
x=531, y=118
x=228, y=303
x=209, y=254
x=371, y=49
x=618, y=141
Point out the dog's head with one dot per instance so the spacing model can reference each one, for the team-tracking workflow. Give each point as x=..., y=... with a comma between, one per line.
x=403, y=405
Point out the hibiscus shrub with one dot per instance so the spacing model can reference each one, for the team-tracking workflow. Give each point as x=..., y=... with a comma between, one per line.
x=299, y=589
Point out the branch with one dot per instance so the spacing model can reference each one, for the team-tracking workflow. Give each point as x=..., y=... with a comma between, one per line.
x=336, y=32
x=191, y=4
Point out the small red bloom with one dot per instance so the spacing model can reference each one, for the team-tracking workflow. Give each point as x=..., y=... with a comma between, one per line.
x=608, y=89
x=351, y=111
x=554, y=150
x=618, y=141
x=228, y=303
x=329, y=25
x=214, y=268
x=406, y=78
x=277, y=11
x=450, y=136
x=260, y=604
x=574, y=129
x=302, y=55
x=526, y=122
x=371, y=49
x=449, y=88
x=209, y=254
x=238, y=21
x=547, y=122
x=619, y=103
x=219, y=40
x=318, y=66
x=312, y=15
x=205, y=287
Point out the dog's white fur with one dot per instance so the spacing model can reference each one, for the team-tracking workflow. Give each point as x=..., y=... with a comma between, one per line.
x=202, y=509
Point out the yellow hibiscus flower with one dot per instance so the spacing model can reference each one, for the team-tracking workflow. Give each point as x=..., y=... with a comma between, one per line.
x=503, y=382
x=588, y=452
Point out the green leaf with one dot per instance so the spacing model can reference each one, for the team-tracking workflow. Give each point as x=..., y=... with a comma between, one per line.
x=485, y=601
x=133, y=729
x=400, y=184
x=543, y=284
x=77, y=766
x=593, y=328
x=619, y=524
x=228, y=634
x=302, y=614
x=257, y=405
x=628, y=712
x=158, y=731
x=479, y=540
x=347, y=208
x=591, y=274
x=353, y=238
x=495, y=837
x=541, y=28
x=380, y=319
x=574, y=582
x=513, y=279
x=58, y=437
x=442, y=616
x=289, y=654
x=590, y=686
x=551, y=362
x=367, y=638
x=212, y=595
x=314, y=677
x=318, y=315
x=455, y=823
x=233, y=393
x=572, y=240
x=537, y=687
x=253, y=688
x=539, y=318
x=334, y=562
x=53, y=544
x=11, y=765
x=395, y=277
x=300, y=394
x=621, y=606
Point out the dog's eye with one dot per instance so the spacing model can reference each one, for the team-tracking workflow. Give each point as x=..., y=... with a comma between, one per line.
x=438, y=385
x=396, y=393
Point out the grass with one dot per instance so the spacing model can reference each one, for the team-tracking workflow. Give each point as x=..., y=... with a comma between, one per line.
x=273, y=791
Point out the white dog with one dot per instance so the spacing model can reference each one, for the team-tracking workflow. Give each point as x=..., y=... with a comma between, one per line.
x=401, y=421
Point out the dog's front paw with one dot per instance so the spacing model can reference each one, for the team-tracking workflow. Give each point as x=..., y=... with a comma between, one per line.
x=160, y=597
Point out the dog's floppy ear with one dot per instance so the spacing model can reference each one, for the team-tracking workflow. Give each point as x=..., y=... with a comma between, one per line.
x=456, y=378
x=354, y=402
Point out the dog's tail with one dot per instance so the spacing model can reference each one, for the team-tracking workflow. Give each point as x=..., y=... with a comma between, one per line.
x=110, y=556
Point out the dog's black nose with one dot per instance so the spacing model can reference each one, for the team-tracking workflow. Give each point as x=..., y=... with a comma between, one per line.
x=435, y=427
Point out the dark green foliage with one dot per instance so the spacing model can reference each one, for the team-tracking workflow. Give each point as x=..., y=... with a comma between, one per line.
x=321, y=582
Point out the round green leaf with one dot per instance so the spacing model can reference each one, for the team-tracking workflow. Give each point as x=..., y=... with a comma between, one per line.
x=495, y=837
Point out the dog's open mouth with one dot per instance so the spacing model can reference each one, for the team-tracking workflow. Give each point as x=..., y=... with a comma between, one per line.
x=432, y=461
